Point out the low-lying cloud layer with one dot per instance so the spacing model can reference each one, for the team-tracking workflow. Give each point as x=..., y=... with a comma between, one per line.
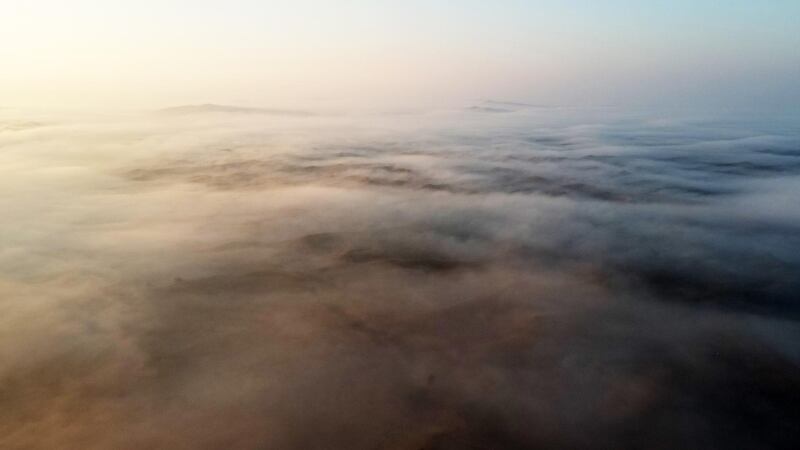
x=518, y=278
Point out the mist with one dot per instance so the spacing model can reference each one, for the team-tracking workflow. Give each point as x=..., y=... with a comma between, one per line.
x=495, y=276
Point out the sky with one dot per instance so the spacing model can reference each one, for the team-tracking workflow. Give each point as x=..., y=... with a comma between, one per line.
x=306, y=53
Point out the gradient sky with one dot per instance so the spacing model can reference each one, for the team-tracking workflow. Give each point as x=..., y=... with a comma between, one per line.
x=149, y=53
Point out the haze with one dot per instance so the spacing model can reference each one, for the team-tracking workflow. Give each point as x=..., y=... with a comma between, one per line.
x=386, y=54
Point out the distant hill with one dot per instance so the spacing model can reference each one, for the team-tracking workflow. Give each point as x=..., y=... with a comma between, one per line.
x=495, y=106
x=213, y=108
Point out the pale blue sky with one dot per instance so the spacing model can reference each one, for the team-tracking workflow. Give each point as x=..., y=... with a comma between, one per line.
x=306, y=52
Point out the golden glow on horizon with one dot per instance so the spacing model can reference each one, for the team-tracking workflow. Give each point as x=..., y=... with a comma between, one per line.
x=356, y=52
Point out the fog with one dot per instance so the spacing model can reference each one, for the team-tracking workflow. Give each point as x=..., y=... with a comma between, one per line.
x=500, y=276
